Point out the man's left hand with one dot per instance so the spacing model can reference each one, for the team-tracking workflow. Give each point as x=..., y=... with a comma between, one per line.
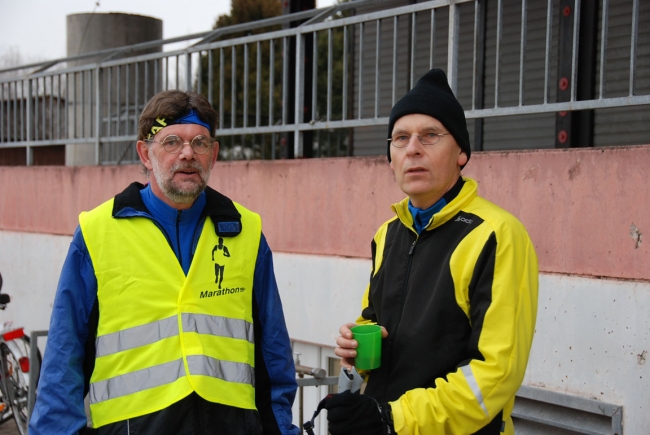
x=355, y=414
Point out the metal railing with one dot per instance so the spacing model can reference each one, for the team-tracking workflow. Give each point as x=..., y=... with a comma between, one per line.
x=536, y=410
x=341, y=69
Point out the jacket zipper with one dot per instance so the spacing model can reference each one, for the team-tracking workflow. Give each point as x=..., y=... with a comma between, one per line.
x=406, y=281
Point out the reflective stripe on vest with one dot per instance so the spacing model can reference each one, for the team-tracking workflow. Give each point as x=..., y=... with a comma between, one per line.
x=165, y=328
x=161, y=334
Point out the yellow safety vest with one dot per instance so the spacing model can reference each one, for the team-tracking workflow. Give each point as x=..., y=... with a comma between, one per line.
x=161, y=334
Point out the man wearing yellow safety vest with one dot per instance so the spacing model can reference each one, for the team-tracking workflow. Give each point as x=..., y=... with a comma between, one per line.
x=167, y=316
x=454, y=287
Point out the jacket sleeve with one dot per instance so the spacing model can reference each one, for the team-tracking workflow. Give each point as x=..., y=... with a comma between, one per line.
x=496, y=281
x=59, y=408
x=275, y=375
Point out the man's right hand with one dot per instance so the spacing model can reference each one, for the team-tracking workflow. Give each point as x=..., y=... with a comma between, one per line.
x=347, y=345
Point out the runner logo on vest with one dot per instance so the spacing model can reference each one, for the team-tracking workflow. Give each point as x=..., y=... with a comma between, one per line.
x=219, y=268
x=219, y=254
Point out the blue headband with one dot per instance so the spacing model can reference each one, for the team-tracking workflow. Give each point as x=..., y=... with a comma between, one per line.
x=190, y=118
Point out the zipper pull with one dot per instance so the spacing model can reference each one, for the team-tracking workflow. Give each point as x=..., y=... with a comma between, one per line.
x=412, y=247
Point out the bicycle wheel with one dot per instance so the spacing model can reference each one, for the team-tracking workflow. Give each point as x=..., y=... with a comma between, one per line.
x=16, y=385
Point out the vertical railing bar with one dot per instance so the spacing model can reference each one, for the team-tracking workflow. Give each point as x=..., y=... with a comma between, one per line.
x=394, y=84
x=258, y=86
x=498, y=53
x=155, y=76
x=33, y=126
x=603, y=47
x=11, y=101
x=177, y=68
x=119, y=100
x=233, y=86
x=299, y=95
x=210, y=77
x=377, y=54
x=65, y=116
x=127, y=86
x=221, y=86
x=574, y=55
x=136, y=99
x=633, y=46
x=98, y=113
x=167, y=72
x=452, y=51
x=109, y=100
x=344, y=115
x=271, y=90
x=51, y=107
x=58, y=106
x=271, y=84
x=477, y=16
x=188, y=70
x=522, y=50
x=314, y=75
x=413, y=37
x=549, y=28
x=75, y=102
x=27, y=118
x=432, y=38
x=329, y=74
x=44, y=110
x=40, y=106
x=285, y=78
x=360, y=81
x=199, y=74
x=145, y=79
x=17, y=115
x=31, y=112
x=40, y=111
x=35, y=121
x=246, y=66
x=83, y=104
x=2, y=114
x=37, y=110
x=20, y=111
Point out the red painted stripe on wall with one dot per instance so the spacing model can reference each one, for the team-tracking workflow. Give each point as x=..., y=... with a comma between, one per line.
x=586, y=209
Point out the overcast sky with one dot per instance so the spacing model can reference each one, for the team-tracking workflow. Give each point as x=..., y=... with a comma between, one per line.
x=36, y=29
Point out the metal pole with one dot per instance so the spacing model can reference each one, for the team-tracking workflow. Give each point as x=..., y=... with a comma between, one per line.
x=34, y=369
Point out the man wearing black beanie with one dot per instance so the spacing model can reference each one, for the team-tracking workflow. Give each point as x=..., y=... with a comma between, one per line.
x=454, y=288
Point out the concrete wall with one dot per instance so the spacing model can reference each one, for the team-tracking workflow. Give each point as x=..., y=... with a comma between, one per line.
x=586, y=211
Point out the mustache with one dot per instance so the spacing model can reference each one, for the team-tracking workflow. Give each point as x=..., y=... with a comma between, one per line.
x=187, y=165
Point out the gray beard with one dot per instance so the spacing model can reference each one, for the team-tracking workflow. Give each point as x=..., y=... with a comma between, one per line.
x=175, y=193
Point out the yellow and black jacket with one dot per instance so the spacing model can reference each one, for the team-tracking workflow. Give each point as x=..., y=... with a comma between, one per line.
x=459, y=303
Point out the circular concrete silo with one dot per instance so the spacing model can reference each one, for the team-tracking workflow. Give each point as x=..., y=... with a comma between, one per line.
x=124, y=88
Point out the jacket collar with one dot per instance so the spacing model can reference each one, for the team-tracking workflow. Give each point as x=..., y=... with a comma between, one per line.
x=457, y=197
x=220, y=208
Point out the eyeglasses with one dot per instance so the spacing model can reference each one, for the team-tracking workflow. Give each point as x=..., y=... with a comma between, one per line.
x=174, y=144
x=402, y=140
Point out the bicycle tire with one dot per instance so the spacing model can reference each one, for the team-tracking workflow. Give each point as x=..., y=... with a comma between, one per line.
x=16, y=384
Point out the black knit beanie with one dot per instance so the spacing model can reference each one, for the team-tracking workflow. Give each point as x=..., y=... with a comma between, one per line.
x=432, y=96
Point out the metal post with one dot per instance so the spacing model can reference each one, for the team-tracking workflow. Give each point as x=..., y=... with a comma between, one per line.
x=300, y=95
x=34, y=369
x=29, y=123
x=452, y=51
x=98, y=113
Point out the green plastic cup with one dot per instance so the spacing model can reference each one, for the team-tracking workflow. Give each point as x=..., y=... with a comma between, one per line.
x=369, y=349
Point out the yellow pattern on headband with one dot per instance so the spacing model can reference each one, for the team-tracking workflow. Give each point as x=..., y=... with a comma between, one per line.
x=158, y=125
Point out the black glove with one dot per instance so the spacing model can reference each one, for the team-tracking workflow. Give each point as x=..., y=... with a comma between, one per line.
x=355, y=414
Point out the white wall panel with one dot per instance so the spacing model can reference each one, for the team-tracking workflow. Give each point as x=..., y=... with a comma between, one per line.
x=592, y=337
